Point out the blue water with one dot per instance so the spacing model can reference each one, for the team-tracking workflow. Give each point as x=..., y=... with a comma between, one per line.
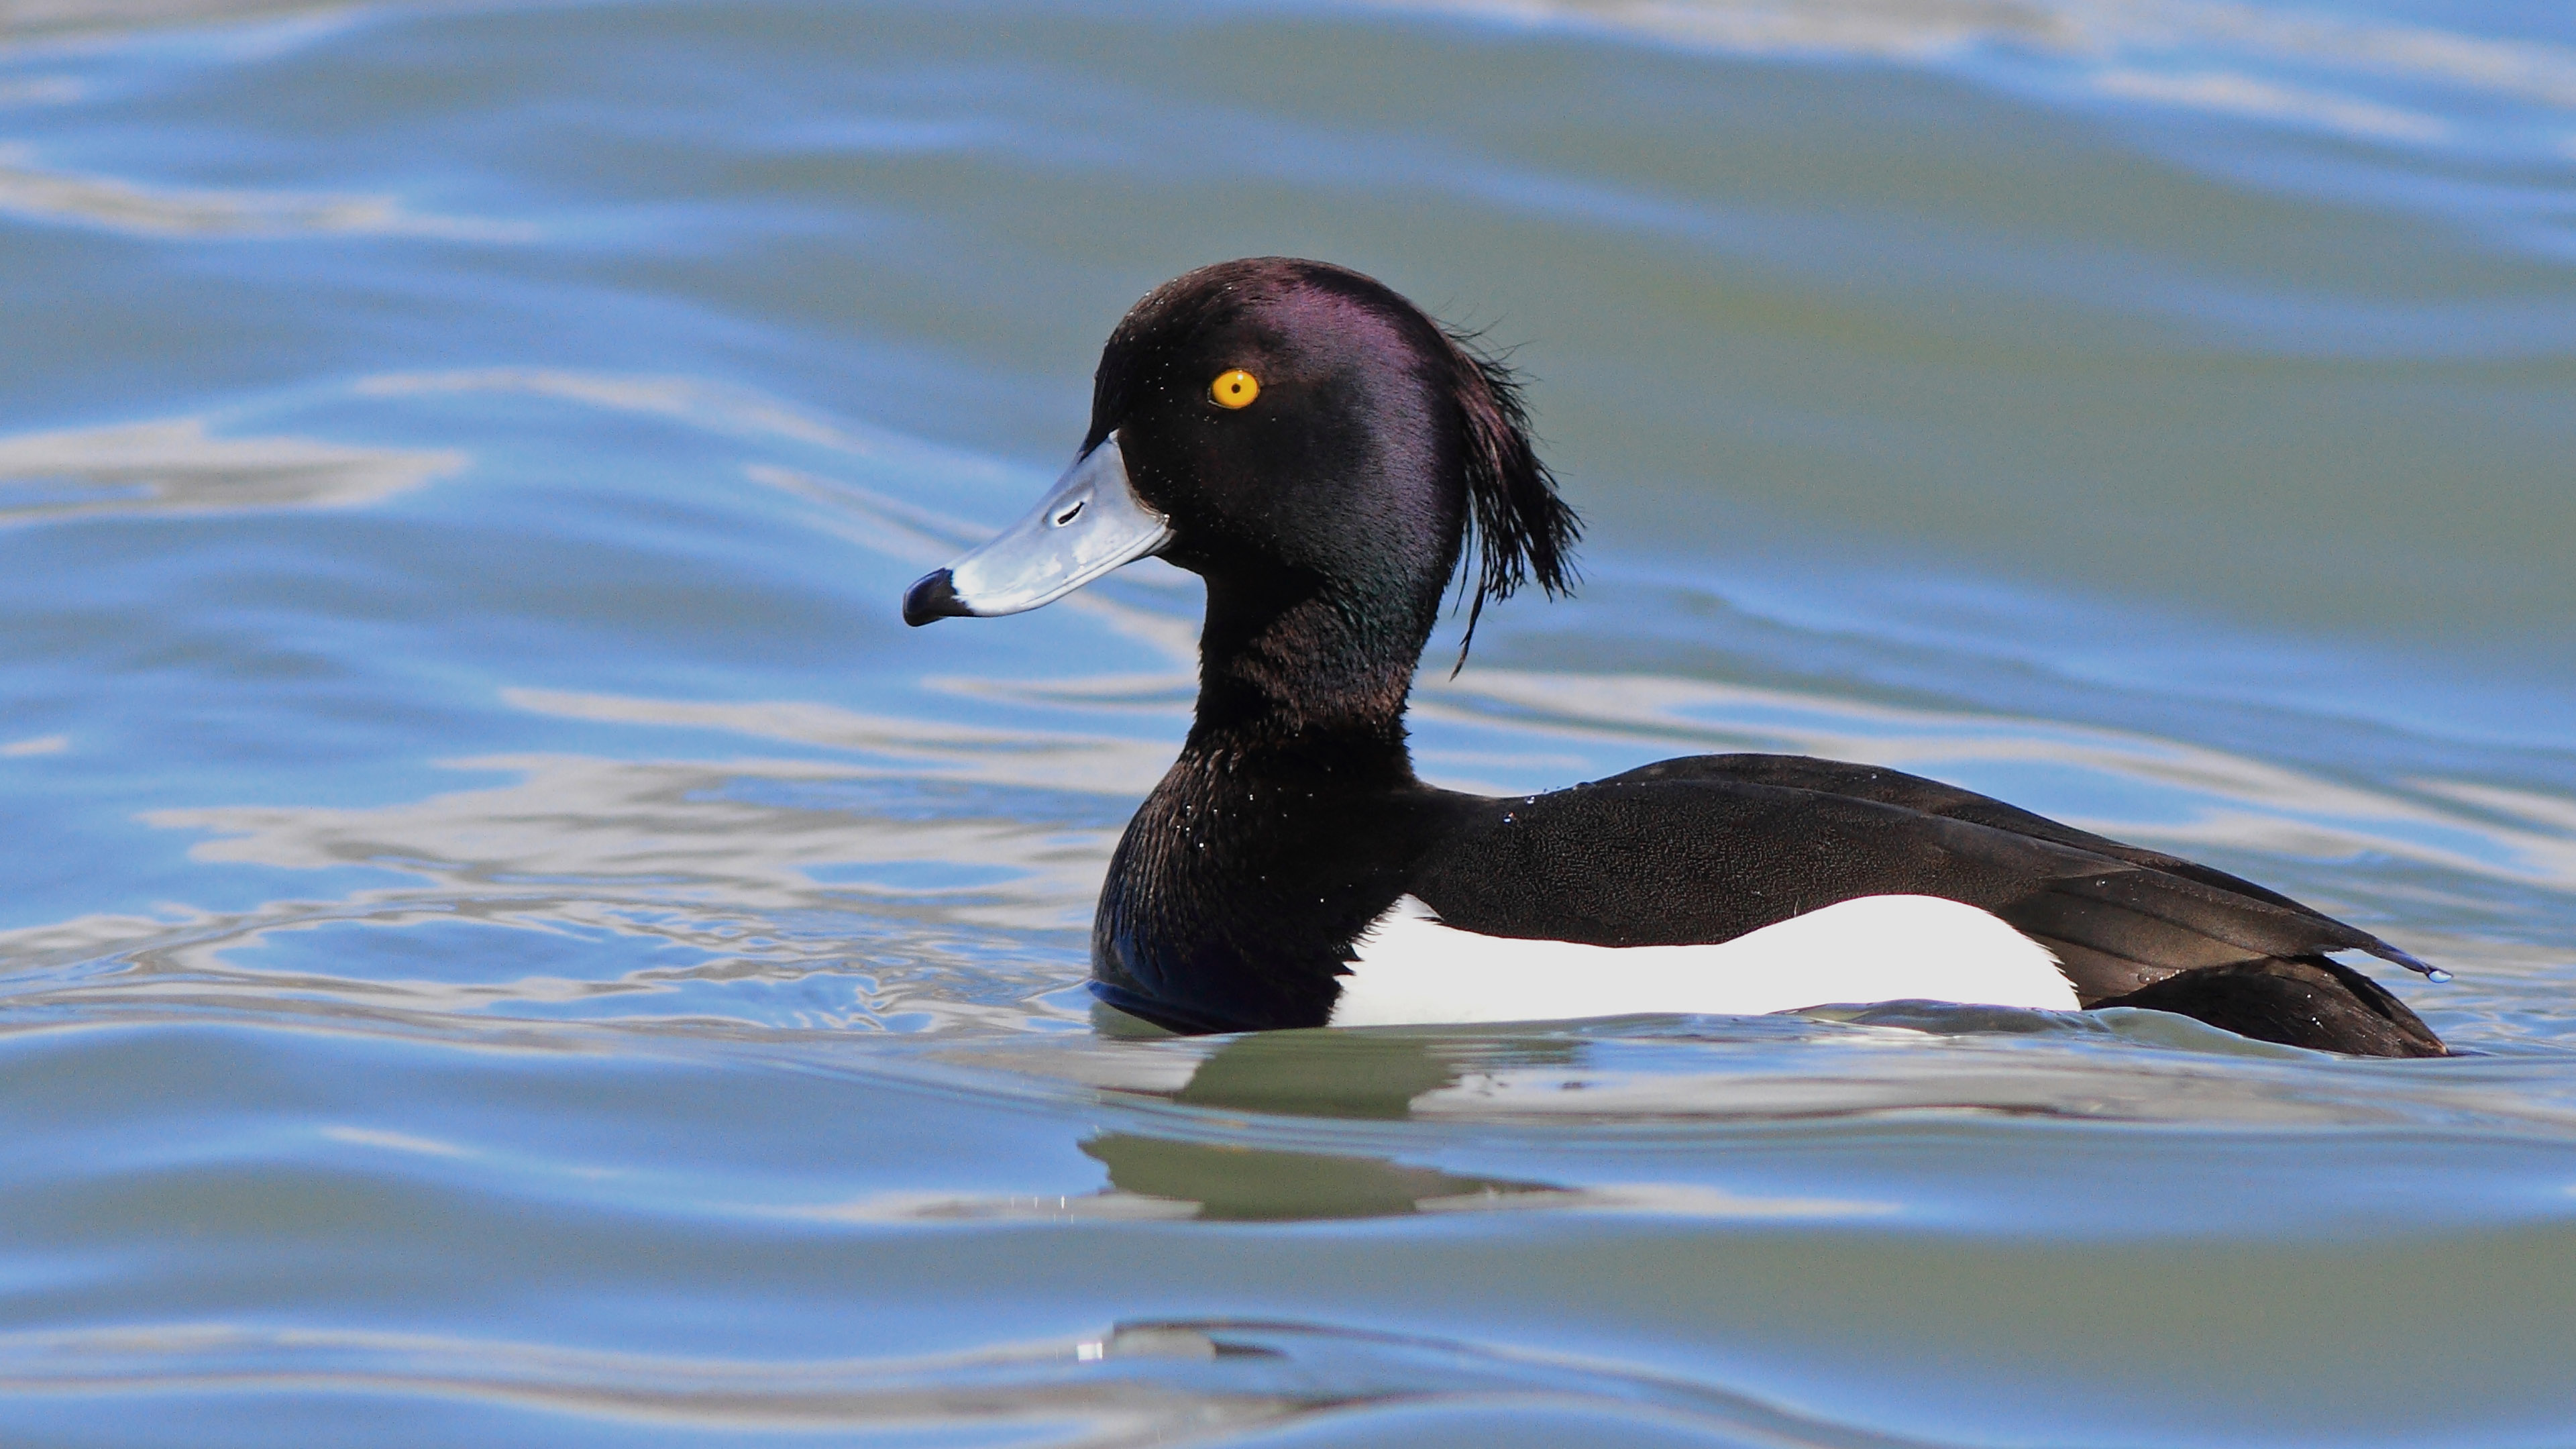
x=509, y=939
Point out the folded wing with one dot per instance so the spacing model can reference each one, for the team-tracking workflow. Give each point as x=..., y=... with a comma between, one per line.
x=1706, y=849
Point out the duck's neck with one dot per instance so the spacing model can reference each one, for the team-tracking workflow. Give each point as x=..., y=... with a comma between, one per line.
x=1288, y=668
x=1285, y=826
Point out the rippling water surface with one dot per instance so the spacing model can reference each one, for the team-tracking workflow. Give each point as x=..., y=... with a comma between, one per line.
x=508, y=938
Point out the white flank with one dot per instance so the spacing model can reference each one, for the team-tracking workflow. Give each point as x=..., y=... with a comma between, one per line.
x=1412, y=969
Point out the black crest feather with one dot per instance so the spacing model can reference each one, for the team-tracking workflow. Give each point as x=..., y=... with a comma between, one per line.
x=1518, y=529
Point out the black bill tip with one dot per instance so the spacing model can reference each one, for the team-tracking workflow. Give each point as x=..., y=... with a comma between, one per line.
x=935, y=597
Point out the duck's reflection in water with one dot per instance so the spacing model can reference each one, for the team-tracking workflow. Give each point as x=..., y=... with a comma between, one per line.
x=1330, y=1074
x=1258, y=1184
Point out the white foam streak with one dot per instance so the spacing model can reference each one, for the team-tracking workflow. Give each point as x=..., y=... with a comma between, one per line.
x=2179, y=53
x=403, y=1142
x=1666, y=1199
x=693, y=402
x=2233, y=93
x=174, y=466
x=41, y=91
x=935, y=1207
x=1030, y=759
x=672, y=831
x=1006, y=1390
x=20, y=18
x=143, y=209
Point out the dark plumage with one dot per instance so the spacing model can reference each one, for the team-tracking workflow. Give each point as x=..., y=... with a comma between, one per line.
x=1327, y=517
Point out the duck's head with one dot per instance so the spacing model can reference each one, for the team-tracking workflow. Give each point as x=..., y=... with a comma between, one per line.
x=1317, y=449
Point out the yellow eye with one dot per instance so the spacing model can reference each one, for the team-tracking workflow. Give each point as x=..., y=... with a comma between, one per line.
x=1234, y=388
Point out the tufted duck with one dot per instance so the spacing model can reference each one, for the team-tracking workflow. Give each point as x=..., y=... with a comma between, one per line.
x=1323, y=454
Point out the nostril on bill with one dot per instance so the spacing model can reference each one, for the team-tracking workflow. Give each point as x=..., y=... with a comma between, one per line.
x=1072, y=513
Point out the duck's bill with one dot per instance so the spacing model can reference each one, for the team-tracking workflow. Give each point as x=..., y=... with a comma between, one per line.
x=1088, y=524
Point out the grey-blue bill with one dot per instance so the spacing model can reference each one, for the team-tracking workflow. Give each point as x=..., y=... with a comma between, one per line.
x=1090, y=523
